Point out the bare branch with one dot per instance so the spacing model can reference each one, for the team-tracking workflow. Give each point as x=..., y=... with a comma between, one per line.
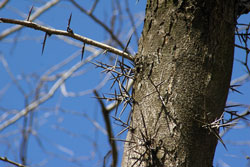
x=82, y=93
x=240, y=80
x=15, y=81
x=109, y=130
x=44, y=98
x=2, y=4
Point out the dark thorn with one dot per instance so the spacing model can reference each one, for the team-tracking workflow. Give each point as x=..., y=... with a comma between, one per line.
x=83, y=48
x=125, y=49
x=44, y=41
x=69, y=30
x=220, y=139
x=235, y=90
x=69, y=19
x=236, y=105
x=30, y=13
x=232, y=87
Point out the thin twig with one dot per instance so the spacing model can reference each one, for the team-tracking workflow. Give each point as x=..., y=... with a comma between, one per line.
x=85, y=92
x=93, y=7
x=11, y=162
x=44, y=98
x=15, y=81
x=109, y=129
x=3, y=3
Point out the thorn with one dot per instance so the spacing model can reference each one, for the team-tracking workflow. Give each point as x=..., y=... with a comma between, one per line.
x=44, y=41
x=125, y=49
x=30, y=13
x=127, y=43
x=83, y=48
x=232, y=87
x=220, y=139
x=235, y=90
x=69, y=19
x=69, y=30
x=236, y=105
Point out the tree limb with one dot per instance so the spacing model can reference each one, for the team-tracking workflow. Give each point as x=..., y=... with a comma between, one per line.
x=78, y=37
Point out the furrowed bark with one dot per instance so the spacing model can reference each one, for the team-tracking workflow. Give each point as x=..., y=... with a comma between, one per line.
x=183, y=72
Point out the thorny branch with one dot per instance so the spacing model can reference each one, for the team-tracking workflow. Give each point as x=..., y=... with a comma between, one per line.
x=6, y=66
x=243, y=38
x=78, y=37
x=102, y=24
x=124, y=79
x=36, y=14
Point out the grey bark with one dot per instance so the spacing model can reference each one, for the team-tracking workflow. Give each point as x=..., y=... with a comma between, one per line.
x=183, y=71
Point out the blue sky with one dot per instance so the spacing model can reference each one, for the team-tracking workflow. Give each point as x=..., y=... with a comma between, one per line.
x=65, y=128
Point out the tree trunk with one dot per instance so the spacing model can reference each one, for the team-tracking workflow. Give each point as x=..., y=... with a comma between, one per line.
x=183, y=71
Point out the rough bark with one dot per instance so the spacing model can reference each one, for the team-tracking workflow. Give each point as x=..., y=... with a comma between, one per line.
x=183, y=71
